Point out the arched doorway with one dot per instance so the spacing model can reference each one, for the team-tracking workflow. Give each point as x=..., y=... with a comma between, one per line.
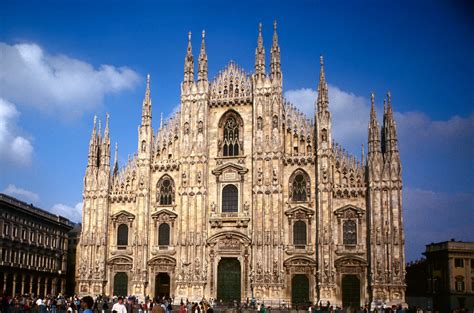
x=121, y=284
x=162, y=285
x=299, y=291
x=228, y=280
x=350, y=291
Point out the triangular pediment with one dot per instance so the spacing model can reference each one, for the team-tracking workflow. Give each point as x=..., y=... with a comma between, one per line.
x=164, y=212
x=229, y=168
x=123, y=216
x=299, y=210
x=349, y=210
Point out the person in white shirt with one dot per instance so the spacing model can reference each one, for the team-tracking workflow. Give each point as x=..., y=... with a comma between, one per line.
x=119, y=307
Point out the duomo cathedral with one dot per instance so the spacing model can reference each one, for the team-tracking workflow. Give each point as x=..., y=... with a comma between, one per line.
x=239, y=195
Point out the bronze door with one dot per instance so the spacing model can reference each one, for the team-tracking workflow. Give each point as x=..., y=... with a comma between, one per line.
x=299, y=291
x=350, y=291
x=228, y=280
x=120, y=284
x=162, y=285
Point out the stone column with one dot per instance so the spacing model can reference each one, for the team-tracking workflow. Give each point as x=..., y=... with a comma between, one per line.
x=5, y=276
x=14, y=285
x=63, y=286
x=38, y=286
x=23, y=277
x=45, y=286
x=53, y=286
x=30, y=291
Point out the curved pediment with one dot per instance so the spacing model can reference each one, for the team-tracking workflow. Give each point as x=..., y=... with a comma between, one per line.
x=232, y=85
x=350, y=261
x=123, y=216
x=299, y=211
x=299, y=261
x=123, y=259
x=162, y=261
x=229, y=235
x=349, y=211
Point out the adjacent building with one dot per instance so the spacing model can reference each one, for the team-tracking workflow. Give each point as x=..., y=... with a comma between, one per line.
x=240, y=195
x=73, y=240
x=33, y=246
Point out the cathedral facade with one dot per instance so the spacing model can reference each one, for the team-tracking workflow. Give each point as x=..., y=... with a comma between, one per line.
x=239, y=195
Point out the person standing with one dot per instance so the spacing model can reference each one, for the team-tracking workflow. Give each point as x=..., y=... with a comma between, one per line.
x=119, y=307
x=86, y=304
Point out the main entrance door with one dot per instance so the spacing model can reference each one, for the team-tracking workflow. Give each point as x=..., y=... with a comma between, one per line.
x=162, y=285
x=299, y=291
x=228, y=280
x=120, y=284
x=350, y=291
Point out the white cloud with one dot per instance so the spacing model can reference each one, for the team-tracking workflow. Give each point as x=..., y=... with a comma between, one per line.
x=23, y=194
x=30, y=76
x=15, y=149
x=350, y=114
x=350, y=118
x=450, y=216
x=72, y=213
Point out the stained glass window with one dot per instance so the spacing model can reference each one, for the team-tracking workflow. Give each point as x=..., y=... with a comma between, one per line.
x=230, y=199
x=349, y=232
x=231, y=144
x=122, y=235
x=299, y=188
x=164, y=235
x=299, y=233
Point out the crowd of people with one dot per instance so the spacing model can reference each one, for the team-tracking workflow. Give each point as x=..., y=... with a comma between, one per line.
x=131, y=304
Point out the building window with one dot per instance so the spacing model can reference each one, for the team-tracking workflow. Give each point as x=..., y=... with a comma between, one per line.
x=164, y=235
x=6, y=229
x=230, y=199
x=23, y=234
x=165, y=189
x=459, y=283
x=231, y=144
x=299, y=234
x=15, y=231
x=299, y=186
x=458, y=262
x=122, y=236
x=349, y=232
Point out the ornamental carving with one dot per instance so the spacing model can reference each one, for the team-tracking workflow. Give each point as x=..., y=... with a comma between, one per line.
x=232, y=85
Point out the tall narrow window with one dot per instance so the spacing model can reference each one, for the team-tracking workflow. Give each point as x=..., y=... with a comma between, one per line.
x=299, y=234
x=349, y=232
x=230, y=199
x=165, y=189
x=299, y=188
x=164, y=235
x=122, y=235
x=231, y=144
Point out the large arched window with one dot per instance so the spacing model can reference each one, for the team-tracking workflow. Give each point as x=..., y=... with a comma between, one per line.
x=299, y=234
x=349, y=232
x=165, y=189
x=122, y=235
x=231, y=144
x=299, y=186
x=164, y=235
x=230, y=199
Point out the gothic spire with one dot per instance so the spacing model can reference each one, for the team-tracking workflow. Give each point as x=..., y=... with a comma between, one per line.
x=389, y=128
x=202, y=66
x=260, y=55
x=106, y=130
x=146, y=107
x=323, y=101
x=115, y=170
x=275, y=66
x=92, y=161
x=374, y=129
x=189, y=64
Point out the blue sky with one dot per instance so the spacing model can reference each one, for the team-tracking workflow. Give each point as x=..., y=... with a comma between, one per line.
x=62, y=62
